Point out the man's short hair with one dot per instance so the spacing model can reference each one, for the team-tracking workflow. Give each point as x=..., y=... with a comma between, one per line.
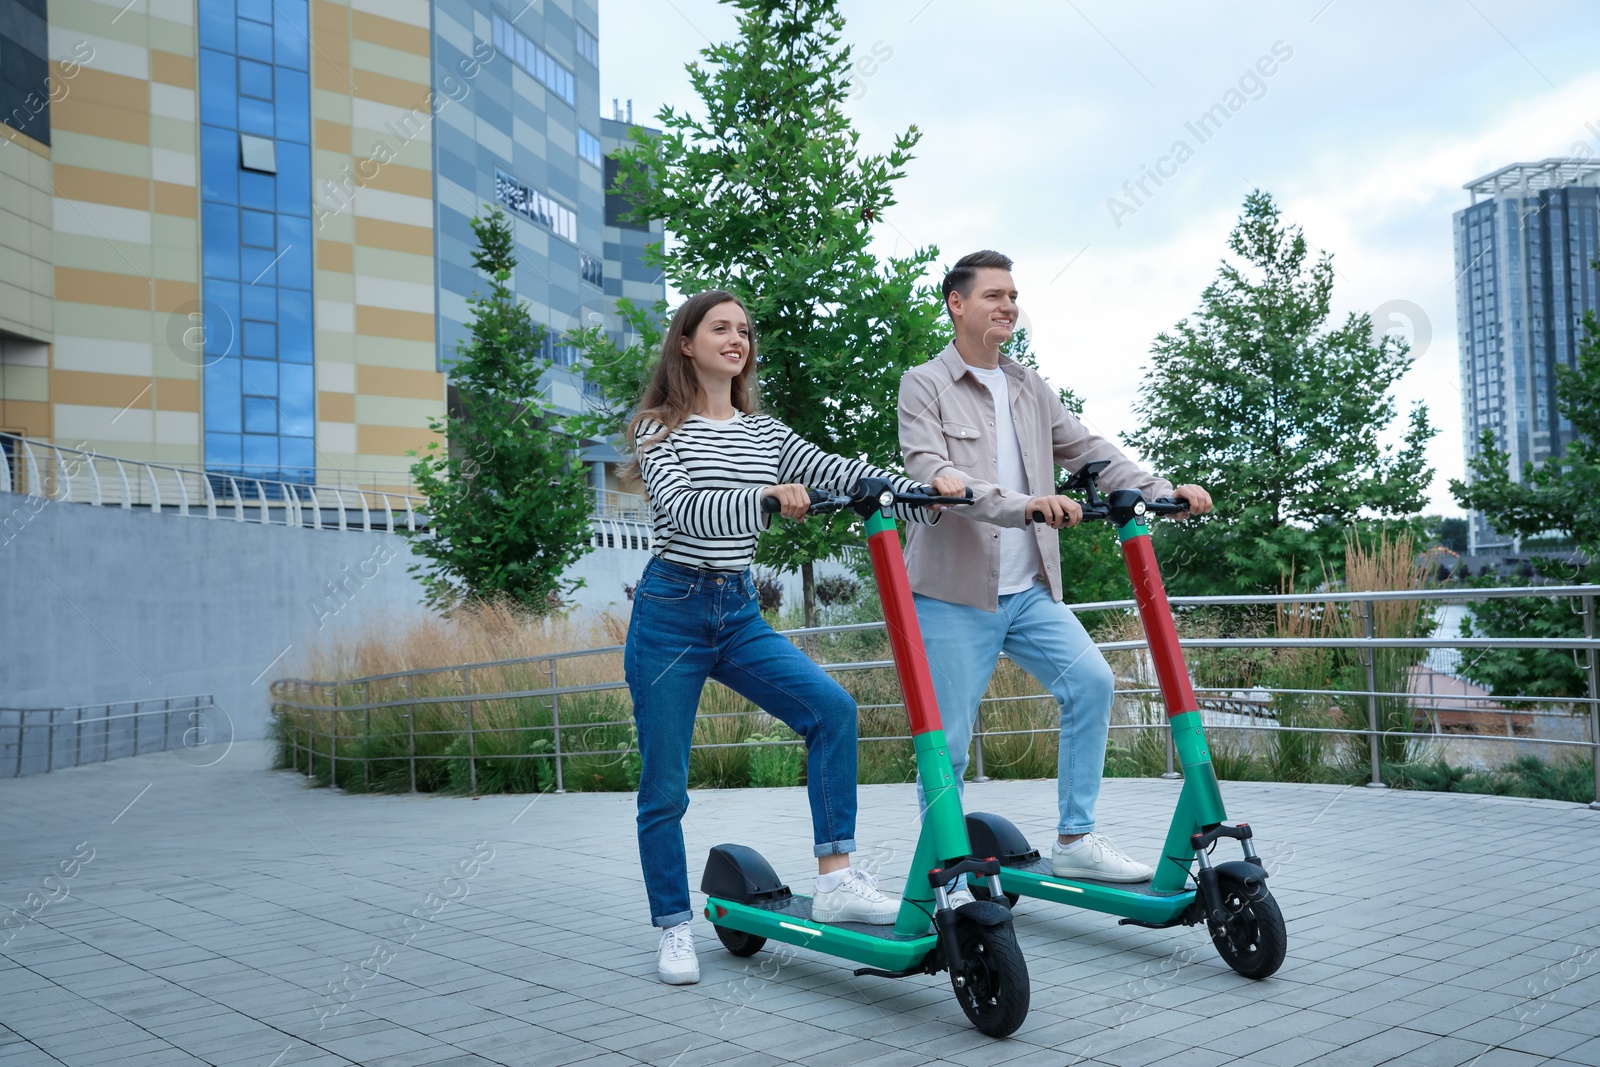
x=959, y=278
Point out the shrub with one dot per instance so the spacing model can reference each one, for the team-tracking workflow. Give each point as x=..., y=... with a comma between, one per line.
x=778, y=759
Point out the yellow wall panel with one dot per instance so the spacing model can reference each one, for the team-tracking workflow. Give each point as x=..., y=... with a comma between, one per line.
x=394, y=381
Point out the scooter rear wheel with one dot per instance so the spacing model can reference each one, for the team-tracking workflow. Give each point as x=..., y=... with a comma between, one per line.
x=1254, y=940
x=995, y=990
x=738, y=942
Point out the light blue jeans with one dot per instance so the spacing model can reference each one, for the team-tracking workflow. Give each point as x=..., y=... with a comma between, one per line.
x=1045, y=639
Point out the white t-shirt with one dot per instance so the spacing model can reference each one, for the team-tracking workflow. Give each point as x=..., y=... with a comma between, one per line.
x=1020, y=563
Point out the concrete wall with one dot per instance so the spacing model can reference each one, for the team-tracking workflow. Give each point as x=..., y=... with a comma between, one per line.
x=101, y=604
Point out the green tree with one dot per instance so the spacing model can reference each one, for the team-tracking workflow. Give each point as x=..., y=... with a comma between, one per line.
x=1559, y=496
x=766, y=194
x=508, y=499
x=1279, y=414
x=1447, y=532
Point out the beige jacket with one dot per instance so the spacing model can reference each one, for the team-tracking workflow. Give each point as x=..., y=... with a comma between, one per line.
x=947, y=426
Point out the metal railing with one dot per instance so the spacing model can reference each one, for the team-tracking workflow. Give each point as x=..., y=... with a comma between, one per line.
x=629, y=507
x=40, y=740
x=52, y=472
x=309, y=710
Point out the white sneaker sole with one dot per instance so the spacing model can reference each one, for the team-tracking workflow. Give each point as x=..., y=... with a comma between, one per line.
x=1095, y=874
x=671, y=978
x=840, y=916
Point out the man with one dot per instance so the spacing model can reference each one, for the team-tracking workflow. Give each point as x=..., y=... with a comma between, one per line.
x=988, y=578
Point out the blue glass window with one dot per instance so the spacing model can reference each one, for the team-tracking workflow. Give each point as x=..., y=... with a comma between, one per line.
x=255, y=116
x=261, y=339
x=260, y=302
x=260, y=392
x=260, y=452
x=217, y=73
x=298, y=452
x=295, y=398
x=533, y=59
x=291, y=34
x=222, y=449
x=255, y=79
x=260, y=377
x=257, y=266
x=255, y=40
x=589, y=149
x=219, y=165
x=260, y=416
x=256, y=189
x=219, y=231
x=294, y=325
x=293, y=107
x=294, y=238
x=257, y=229
x=216, y=25
x=222, y=396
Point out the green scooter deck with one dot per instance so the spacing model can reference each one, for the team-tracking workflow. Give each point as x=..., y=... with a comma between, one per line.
x=1133, y=900
x=789, y=920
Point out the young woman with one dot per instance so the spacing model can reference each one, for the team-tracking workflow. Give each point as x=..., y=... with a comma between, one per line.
x=708, y=459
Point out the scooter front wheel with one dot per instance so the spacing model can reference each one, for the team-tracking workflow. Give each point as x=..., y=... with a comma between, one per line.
x=1254, y=941
x=738, y=942
x=993, y=985
x=981, y=892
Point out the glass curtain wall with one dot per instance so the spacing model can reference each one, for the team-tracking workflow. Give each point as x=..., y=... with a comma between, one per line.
x=255, y=175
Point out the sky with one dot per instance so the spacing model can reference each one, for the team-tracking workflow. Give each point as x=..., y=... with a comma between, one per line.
x=1034, y=115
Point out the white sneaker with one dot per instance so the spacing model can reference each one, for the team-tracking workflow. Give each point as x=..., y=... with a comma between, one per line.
x=961, y=895
x=857, y=900
x=675, y=960
x=1094, y=856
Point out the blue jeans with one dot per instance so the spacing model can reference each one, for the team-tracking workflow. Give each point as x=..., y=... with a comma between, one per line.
x=1045, y=639
x=689, y=625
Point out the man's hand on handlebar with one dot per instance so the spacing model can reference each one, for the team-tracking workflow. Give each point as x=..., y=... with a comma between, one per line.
x=947, y=485
x=1056, y=512
x=793, y=499
x=1198, y=499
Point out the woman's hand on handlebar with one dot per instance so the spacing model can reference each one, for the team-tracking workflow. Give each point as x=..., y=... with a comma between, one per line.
x=793, y=499
x=1198, y=499
x=1056, y=512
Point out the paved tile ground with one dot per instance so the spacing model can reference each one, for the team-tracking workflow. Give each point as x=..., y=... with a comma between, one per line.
x=169, y=915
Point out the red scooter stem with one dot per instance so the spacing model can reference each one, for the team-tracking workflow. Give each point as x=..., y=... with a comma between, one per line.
x=1159, y=630
x=900, y=619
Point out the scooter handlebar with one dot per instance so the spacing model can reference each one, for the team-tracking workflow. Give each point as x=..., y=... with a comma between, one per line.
x=821, y=503
x=824, y=502
x=1167, y=505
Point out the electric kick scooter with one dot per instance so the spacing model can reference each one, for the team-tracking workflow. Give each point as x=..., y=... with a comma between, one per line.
x=1230, y=897
x=748, y=904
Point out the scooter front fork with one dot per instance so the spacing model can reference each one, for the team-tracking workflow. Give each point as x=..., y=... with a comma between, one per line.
x=1206, y=877
x=944, y=924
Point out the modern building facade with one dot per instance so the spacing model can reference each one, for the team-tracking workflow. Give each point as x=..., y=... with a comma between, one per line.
x=1525, y=252
x=236, y=233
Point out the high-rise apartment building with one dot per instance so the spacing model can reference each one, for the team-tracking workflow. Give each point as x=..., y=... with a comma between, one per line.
x=1525, y=254
x=236, y=233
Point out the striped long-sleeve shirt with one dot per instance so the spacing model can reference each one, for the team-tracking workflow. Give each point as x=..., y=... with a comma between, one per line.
x=705, y=479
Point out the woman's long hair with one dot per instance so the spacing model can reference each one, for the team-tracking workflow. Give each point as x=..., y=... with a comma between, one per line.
x=674, y=387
